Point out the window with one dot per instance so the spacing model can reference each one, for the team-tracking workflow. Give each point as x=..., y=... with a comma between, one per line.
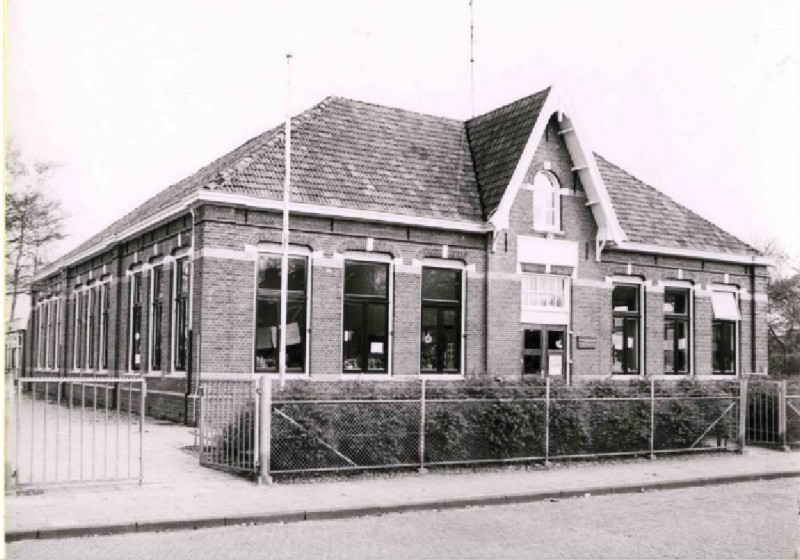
x=86, y=309
x=625, y=333
x=268, y=314
x=135, y=339
x=366, y=317
x=94, y=310
x=676, y=330
x=76, y=331
x=181, y=325
x=57, y=335
x=724, y=332
x=440, y=350
x=543, y=350
x=543, y=292
x=104, y=326
x=157, y=305
x=546, y=202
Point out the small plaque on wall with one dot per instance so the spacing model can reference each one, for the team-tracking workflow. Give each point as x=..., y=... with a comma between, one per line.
x=587, y=342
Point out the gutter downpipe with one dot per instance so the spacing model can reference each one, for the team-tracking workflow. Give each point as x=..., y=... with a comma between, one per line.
x=190, y=335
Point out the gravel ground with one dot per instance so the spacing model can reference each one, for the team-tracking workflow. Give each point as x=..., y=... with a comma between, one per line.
x=751, y=520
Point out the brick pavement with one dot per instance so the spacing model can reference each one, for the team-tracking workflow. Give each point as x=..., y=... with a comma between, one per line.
x=178, y=490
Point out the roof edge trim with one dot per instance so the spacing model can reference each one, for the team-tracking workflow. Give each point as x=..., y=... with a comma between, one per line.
x=266, y=204
x=694, y=253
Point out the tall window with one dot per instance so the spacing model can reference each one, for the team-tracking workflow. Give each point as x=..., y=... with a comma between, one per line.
x=181, y=333
x=724, y=332
x=93, y=311
x=76, y=331
x=625, y=337
x=268, y=314
x=44, y=332
x=546, y=202
x=366, y=317
x=135, y=339
x=157, y=306
x=57, y=335
x=441, y=320
x=104, y=325
x=676, y=330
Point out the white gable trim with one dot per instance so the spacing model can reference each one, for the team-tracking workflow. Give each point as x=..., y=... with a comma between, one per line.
x=583, y=159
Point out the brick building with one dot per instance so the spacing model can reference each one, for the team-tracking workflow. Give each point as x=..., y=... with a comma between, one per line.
x=501, y=246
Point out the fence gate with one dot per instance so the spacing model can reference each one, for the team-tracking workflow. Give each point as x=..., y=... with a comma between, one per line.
x=768, y=408
x=229, y=414
x=72, y=430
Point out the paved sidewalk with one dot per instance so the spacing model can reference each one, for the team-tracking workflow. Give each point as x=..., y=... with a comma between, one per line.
x=178, y=493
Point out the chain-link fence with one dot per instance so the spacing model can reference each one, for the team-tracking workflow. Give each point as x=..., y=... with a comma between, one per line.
x=460, y=424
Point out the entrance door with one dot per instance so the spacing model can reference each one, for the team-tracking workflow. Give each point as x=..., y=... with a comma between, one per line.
x=544, y=350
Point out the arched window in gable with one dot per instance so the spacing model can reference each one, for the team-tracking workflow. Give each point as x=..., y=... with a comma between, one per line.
x=546, y=202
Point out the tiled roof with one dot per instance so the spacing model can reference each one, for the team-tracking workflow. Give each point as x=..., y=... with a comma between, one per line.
x=649, y=216
x=358, y=155
x=170, y=195
x=497, y=140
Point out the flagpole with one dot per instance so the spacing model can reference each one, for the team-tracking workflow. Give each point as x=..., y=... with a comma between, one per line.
x=285, y=233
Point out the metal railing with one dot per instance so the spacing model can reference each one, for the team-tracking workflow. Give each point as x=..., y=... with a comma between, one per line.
x=773, y=413
x=229, y=414
x=74, y=430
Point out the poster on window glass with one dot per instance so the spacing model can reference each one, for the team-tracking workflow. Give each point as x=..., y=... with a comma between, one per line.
x=554, y=364
x=376, y=347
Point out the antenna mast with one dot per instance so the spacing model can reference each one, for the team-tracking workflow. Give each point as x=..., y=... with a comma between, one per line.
x=471, y=60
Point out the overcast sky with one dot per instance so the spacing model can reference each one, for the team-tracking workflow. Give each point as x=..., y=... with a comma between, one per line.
x=699, y=99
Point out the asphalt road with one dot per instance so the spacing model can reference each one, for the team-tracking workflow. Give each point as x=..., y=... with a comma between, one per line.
x=749, y=520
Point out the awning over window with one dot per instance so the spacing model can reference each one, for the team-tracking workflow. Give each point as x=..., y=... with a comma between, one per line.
x=724, y=306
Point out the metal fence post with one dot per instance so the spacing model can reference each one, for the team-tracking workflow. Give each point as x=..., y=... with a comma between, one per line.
x=264, y=429
x=422, y=468
x=652, y=418
x=742, y=414
x=782, y=434
x=547, y=421
x=142, y=409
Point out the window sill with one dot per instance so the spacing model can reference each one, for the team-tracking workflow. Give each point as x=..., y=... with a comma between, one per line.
x=712, y=376
x=442, y=376
x=549, y=231
x=355, y=376
x=275, y=376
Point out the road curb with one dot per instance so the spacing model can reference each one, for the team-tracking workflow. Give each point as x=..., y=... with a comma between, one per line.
x=363, y=511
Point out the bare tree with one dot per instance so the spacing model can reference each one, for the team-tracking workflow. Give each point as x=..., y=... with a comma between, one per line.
x=34, y=221
x=783, y=319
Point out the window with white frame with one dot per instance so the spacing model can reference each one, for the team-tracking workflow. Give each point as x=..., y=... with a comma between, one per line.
x=440, y=349
x=104, y=325
x=135, y=339
x=268, y=313
x=625, y=339
x=57, y=333
x=544, y=292
x=724, y=332
x=365, y=323
x=156, y=314
x=76, y=329
x=180, y=335
x=546, y=202
x=677, y=335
